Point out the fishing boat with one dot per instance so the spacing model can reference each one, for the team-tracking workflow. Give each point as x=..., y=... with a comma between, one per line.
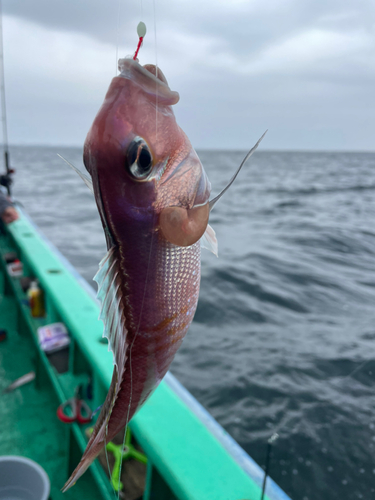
x=188, y=454
x=174, y=449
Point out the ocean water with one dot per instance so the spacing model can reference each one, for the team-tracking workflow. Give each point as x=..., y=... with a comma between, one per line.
x=284, y=335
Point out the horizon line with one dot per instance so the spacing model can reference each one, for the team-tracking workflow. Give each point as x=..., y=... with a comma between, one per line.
x=208, y=149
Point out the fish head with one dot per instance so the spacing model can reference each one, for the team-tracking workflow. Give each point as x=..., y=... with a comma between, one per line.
x=145, y=172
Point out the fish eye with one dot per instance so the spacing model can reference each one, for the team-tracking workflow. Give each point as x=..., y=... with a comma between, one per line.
x=139, y=159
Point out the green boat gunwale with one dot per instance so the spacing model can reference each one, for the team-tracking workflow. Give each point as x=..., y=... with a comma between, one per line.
x=190, y=456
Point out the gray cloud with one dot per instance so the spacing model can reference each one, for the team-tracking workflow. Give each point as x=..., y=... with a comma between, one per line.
x=305, y=70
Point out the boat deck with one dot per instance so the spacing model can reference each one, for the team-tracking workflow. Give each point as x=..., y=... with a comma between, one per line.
x=23, y=431
x=30, y=426
x=190, y=457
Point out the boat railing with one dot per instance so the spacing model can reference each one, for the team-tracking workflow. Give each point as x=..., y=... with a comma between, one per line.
x=190, y=456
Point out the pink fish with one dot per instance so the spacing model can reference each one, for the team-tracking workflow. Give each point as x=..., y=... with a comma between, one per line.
x=152, y=194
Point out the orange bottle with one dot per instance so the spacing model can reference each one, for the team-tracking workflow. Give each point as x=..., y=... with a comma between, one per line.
x=36, y=302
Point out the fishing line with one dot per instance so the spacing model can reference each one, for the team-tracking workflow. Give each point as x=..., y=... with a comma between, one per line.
x=106, y=456
x=141, y=30
x=6, y=178
x=106, y=427
x=118, y=33
x=357, y=369
x=3, y=103
x=156, y=74
x=131, y=345
x=280, y=427
x=110, y=409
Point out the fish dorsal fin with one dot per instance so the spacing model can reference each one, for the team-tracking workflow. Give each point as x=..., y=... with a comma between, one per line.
x=209, y=241
x=86, y=179
x=252, y=150
x=111, y=312
x=113, y=316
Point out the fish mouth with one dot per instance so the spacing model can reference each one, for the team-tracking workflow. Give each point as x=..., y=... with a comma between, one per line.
x=150, y=78
x=156, y=71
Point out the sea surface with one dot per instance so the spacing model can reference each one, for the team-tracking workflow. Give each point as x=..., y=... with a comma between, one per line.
x=284, y=336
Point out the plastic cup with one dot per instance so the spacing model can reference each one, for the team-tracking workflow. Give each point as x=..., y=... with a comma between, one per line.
x=22, y=479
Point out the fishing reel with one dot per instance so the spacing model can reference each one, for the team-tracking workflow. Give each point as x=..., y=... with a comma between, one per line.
x=6, y=179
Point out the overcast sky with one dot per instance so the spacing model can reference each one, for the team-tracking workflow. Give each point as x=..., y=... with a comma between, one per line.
x=304, y=69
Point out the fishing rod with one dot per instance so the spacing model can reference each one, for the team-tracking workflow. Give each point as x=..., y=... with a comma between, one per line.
x=270, y=442
x=5, y=179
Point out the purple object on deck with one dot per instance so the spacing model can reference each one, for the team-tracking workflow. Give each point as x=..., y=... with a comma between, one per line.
x=53, y=338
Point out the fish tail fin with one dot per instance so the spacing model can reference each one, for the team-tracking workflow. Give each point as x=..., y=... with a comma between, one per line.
x=98, y=437
x=81, y=468
x=93, y=448
x=114, y=321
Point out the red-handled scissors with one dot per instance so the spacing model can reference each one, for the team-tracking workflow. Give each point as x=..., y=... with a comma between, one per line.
x=79, y=410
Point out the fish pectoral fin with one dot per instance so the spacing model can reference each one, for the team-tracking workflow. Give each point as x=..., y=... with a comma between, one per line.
x=252, y=150
x=86, y=179
x=209, y=241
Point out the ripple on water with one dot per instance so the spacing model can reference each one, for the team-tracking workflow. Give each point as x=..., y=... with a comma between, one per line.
x=284, y=331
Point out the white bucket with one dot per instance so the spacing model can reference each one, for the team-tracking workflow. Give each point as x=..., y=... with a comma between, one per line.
x=22, y=479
